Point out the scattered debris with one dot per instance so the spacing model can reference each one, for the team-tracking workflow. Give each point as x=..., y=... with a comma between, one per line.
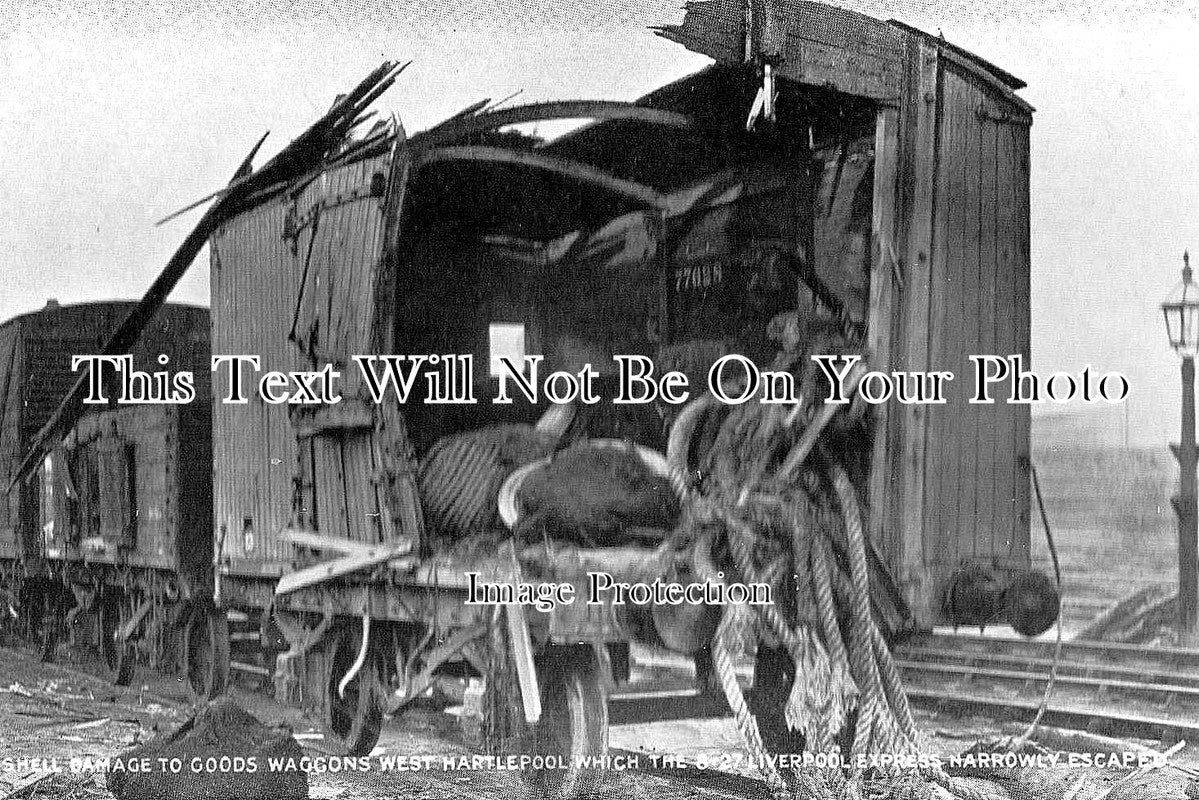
x=1139, y=617
x=93, y=723
x=325, y=792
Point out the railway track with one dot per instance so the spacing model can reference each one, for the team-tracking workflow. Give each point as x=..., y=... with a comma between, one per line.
x=1120, y=690
x=1109, y=688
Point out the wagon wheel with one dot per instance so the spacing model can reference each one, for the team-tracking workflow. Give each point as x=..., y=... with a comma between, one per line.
x=355, y=717
x=51, y=627
x=573, y=725
x=119, y=657
x=206, y=648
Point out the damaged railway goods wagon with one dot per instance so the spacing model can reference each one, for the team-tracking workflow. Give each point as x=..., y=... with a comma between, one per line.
x=831, y=184
x=107, y=539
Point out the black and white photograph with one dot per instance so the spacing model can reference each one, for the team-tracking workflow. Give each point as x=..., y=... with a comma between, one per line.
x=726, y=400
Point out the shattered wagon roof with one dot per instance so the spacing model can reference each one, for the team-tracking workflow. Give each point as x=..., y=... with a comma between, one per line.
x=818, y=44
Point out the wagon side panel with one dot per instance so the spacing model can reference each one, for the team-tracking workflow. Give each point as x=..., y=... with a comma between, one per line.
x=976, y=502
x=254, y=286
x=292, y=284
x=345, y=210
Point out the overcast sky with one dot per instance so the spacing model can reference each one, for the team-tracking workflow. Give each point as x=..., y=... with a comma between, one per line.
x=113, y=115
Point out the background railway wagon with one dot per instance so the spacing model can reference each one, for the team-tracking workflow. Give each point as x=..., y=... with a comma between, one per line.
x=120, y=511
x=126, y=517
x=895, y=181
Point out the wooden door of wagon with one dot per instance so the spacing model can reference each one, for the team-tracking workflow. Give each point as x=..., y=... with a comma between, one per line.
x=296, y=282
x=339, y=232
x=354, y=472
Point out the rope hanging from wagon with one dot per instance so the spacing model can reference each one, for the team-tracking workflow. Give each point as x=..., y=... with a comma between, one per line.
x=788, y=509
x=1043, y=706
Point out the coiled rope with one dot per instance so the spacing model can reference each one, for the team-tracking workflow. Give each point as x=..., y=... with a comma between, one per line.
x=843, y=670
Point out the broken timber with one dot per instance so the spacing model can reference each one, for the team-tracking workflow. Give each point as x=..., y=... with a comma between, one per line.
x=309, y=148
x=574, y=169
x=358, y=557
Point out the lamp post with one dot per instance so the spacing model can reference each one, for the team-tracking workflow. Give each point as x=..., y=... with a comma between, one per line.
x=1181, y=310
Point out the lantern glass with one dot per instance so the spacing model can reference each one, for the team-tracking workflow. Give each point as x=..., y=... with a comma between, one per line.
x=1181, y=310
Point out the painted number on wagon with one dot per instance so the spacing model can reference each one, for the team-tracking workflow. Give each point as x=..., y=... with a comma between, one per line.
x=697, y=276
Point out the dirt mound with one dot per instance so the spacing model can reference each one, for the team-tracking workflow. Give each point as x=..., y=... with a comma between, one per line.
x=220, y=754
x=596, y=496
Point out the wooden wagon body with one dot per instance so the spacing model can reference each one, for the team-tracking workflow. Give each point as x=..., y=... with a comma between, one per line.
x=111, y=530
x=35, y=372
x=927, y=142
x=126, y=520
x=829, y=167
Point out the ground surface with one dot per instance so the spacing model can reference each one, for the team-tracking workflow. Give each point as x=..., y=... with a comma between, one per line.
x=52, y=714
x=1112, y=526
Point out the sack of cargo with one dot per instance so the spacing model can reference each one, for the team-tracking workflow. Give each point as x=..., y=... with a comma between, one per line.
x=597, y=493
x=461, y=475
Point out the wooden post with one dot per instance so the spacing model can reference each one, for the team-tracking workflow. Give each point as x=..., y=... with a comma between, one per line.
x=881, y=324
x=518, y=636
x=919, y=172
x=1184, y=507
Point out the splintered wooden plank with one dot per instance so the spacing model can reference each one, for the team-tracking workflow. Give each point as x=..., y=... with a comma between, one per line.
x=329, y=480
x=917, y=256
x=814, y=43
x=352, y=248
x=337, y=267
x=318, y=542
x=572, y=169
x=518, y=637
x=329, y=570
x=360, y=488
x=461, y=127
